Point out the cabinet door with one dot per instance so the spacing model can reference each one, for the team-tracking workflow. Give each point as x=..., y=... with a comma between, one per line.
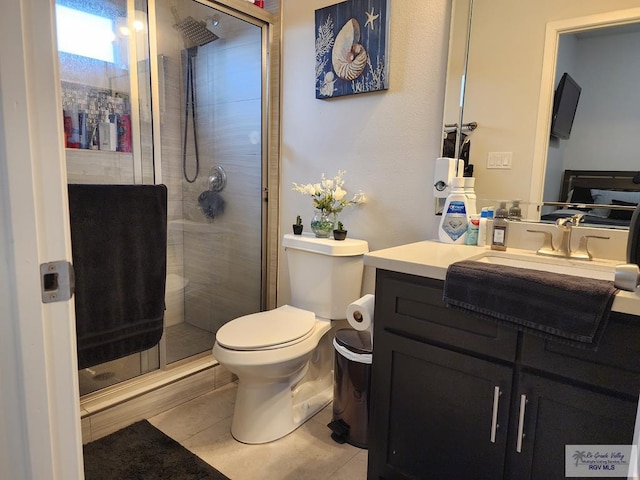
x=436, y=414
x=557, y=414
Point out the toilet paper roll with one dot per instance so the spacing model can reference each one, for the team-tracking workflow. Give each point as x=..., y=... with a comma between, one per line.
x=360, y=314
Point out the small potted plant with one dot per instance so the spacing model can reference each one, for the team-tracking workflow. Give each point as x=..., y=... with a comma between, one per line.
x=339, y=233
x=297, y=227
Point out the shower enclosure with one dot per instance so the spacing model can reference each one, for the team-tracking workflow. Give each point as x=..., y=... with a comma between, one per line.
x=197, y=127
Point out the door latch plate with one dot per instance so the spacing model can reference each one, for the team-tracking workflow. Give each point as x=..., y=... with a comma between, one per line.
x=57, y=281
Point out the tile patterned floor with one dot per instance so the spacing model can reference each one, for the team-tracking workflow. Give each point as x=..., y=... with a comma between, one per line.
x=203, y=426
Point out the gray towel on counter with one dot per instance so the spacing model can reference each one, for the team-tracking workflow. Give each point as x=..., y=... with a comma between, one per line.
x=564, y=308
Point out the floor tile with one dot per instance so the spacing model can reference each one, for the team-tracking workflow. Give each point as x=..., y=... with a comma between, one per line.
x=354, y=469
x=192, y=417
x=203, y=426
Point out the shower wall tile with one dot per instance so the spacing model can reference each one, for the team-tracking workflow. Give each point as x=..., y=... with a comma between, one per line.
x=174, y=212
x=198, y=306
x=235, y=71
x=94, y=166
x=236, y=128
x=205, y=134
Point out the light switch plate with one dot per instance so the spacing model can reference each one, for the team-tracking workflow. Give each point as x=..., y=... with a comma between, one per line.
x=502, y=160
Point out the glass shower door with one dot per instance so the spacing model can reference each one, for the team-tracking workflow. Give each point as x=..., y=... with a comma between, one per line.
x=104, y=67
x=212, y=163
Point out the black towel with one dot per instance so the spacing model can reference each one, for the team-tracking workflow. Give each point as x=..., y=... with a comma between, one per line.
x=119, y=246
x=565, y=308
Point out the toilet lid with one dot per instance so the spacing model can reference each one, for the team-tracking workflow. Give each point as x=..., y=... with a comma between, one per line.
x=258, y=331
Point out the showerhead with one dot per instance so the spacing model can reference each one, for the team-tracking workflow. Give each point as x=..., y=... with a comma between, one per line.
x=194, y=33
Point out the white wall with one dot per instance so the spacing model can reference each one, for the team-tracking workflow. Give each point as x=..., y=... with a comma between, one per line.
x=386, y=141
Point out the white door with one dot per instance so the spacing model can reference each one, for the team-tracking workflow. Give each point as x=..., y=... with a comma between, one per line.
x=39, y=401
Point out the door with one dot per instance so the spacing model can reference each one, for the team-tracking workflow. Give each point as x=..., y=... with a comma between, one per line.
x=39, y=400
x=438, y=402
x=550, y=415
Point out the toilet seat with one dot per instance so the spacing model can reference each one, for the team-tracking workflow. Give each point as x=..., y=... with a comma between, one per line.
x=278, y=328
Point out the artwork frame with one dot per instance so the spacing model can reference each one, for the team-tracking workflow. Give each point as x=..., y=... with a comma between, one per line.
x=352, y=48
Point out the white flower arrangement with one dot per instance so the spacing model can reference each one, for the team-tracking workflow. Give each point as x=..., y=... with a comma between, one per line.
x=329, y=196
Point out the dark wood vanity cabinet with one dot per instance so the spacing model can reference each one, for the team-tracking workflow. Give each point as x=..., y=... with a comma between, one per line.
x=448, y=390
x=557, y=413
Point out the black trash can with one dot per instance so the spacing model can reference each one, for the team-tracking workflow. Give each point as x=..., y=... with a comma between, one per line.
x=352, y=377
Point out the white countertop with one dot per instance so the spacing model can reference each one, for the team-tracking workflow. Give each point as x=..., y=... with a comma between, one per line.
x=431, y=259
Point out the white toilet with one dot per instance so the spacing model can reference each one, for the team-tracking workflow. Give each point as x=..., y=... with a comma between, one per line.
x=282, y=357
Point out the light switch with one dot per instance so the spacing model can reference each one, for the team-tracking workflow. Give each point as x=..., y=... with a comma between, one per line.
x=501, y=160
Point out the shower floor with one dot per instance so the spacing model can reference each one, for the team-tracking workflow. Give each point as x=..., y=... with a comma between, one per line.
x=106, y=374
x=185, y=340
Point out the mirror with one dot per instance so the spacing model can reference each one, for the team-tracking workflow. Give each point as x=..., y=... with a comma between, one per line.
x=461, y=11
x=510, y=82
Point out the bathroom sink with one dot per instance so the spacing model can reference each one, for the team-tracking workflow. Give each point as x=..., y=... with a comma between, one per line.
x=594, y=269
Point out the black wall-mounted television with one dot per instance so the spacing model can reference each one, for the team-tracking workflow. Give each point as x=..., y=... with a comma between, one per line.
x=565, y=103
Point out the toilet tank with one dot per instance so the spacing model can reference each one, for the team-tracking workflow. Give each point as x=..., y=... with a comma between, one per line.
x=325, y=274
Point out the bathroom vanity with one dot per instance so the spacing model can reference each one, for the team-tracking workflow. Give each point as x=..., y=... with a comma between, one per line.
x=455, y=396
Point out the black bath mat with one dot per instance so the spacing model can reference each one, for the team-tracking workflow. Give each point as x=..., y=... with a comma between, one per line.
x=142, y=452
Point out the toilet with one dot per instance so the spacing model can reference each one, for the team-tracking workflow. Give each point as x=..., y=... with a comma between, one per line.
x=283, y=358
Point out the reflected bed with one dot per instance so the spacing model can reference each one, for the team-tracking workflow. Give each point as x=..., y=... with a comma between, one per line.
x=605, y=198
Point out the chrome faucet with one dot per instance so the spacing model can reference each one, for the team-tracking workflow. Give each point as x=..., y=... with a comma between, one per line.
x=565, y=225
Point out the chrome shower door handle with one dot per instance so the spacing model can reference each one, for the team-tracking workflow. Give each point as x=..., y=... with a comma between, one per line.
x=494, y=414
x=523, y=405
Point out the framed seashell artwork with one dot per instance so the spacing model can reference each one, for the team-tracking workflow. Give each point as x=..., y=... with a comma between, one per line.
x=352, y=48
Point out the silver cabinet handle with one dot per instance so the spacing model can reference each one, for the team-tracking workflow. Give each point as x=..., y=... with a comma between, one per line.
x=494, y=414
x=523, y=404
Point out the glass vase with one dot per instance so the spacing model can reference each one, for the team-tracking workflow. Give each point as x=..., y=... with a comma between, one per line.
x=322, y=224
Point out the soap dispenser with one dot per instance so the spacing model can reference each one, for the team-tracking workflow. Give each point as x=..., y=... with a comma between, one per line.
x=500, y=228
